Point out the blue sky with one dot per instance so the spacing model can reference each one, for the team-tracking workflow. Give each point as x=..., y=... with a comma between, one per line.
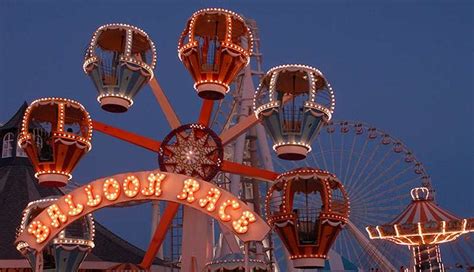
x=403, y=66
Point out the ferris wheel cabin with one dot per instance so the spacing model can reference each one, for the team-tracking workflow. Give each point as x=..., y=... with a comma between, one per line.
x=215, y=45
x=120, y=60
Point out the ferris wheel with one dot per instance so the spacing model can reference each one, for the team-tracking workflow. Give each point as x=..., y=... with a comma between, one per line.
x=377, y=171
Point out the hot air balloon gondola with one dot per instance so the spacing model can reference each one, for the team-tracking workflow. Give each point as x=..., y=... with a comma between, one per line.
x=55, y=134
x=307, y=209
x=293, y=102
x=215, y=45
x=120, y=60
x=65, y=252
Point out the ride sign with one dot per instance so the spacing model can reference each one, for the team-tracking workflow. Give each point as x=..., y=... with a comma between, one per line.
x=145, y=186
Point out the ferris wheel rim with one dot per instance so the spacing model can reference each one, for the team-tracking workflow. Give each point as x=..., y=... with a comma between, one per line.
x=393, y=140
x=361, y=207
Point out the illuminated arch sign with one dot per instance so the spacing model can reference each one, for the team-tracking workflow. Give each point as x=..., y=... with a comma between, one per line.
x=143, y=186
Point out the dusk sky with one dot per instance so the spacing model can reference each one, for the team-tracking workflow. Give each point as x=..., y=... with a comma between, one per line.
x=403, y=66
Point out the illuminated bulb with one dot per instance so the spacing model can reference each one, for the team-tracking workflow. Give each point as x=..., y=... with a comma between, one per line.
x=154, y=184
x=73, y=209
x=40, y=231
x=56, y=215
x=92, y=200
x=222, y=214
x=111, y=189
x=241, y=225
x=131, y=186
x=190, y=186
x=212, y=196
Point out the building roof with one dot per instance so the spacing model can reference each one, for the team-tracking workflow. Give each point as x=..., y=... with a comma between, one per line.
x=18, y=187
x=15, y=121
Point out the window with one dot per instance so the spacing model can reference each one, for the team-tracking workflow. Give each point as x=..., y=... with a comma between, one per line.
x=248, y=190
x=7, y=147
x=19, y=151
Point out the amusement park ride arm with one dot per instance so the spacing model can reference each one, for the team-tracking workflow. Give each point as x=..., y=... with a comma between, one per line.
x=165, y=105
x=160, y=234
x=127, y=136
x=243, y=126
x=206, y=112
x=248, y=171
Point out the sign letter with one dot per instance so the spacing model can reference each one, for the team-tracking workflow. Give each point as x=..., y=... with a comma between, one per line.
x=154, y=184
x=92, y=200
x=189, y=188
x=210, y=200
x=225, y=217
x=40, y=231
x=74, y=209
x=242, y=224
x=111, y=189
x=131, y=185
x=56, y=215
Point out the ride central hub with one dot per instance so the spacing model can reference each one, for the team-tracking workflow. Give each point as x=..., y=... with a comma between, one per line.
x=194, y=150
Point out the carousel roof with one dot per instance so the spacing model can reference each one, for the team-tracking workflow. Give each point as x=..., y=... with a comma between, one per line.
x=422, y=223
x=421, y=211
x=18, y=187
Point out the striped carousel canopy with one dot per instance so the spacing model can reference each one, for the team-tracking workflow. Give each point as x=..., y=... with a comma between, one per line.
x=422, y=223
x=421, y=210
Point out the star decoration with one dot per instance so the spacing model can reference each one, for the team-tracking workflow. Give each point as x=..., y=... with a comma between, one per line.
x=190, y=155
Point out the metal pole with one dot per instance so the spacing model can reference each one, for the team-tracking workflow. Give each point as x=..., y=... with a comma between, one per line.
x=155, y=219
x=39, y=262
x=246, y=256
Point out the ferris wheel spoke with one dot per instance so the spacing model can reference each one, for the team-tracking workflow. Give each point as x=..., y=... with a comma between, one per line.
x=322, y=155
x=342, y=153
x=345, y=241
x=356, y=252
x=366, y=207
x=127, y=136
x=381, y=209
x=388, y=200
x=384, y=183
x=165, y=105
x=350, y=159
x=206, y=112
x=367, y=163
x=372, y=171
x=366, y=219
x=349, y=182
x=387, y=170
x=332, y=154
x=313, y=159
x=391, y=189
